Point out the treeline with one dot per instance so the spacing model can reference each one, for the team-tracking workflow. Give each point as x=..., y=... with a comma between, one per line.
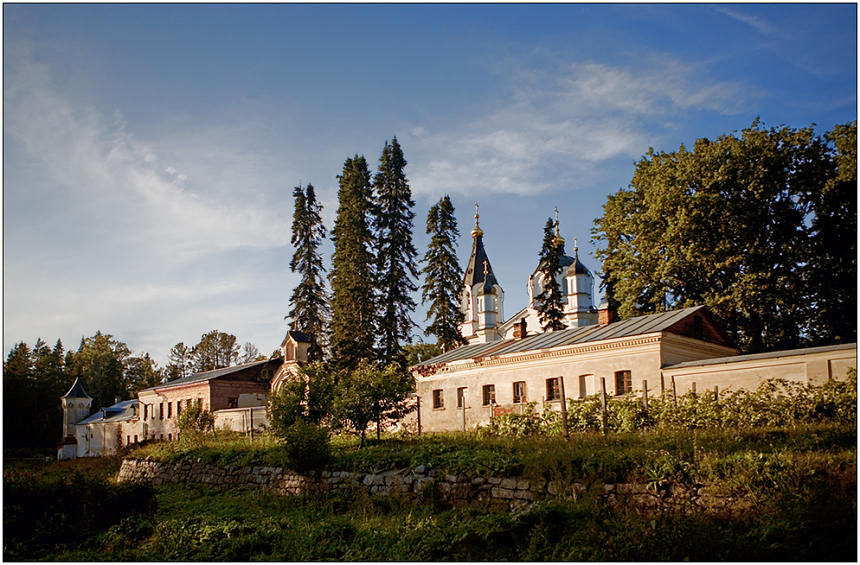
x=34, y=378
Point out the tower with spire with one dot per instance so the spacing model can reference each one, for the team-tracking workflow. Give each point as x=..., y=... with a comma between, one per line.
x=481, y=298
x=576, y=283
x=76, y=406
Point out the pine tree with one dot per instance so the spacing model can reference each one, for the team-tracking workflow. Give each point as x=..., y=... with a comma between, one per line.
x=181, y=362
x=443, y=276
x=353, y=309
x=548, y=302
x=396, y=255
x=308, y=303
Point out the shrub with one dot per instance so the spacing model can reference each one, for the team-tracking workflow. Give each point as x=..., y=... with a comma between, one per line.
x=307, y=446
x=196, y=419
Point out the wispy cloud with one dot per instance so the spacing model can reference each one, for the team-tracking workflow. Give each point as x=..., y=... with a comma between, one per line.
x=559, y=124
x=760, y=25
x=94, y=156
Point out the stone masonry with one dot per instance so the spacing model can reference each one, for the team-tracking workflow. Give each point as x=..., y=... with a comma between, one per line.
x=516, y=493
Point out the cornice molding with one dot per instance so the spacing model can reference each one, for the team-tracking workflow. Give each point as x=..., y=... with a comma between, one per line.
x=564, y=351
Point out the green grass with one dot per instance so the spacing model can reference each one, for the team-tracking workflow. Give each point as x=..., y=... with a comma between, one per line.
x=801, y=483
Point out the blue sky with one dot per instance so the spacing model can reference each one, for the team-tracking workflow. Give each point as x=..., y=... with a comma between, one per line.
x=150, y=151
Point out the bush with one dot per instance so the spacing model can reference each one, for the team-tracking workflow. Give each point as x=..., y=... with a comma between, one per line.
x=307, y=446
x=196, y=419
x=775, y=403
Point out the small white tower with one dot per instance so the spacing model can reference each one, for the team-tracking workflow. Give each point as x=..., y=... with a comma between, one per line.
x=481, y=299
x=579, y=310
x=76, y=406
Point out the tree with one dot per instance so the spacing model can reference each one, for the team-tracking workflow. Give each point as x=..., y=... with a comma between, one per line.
x=738, y=225
x=832, y=265
x=100, y=364
x=443, y=276
x=250, y=353
x=308, y=302
x=307, y=398
x=395, y=254
x=548, y=302
x=353, y=310
x=216, y=350
x=142, y=372
x=369, y=394
x=19, y=397
x=181, y=362
x=420, y=352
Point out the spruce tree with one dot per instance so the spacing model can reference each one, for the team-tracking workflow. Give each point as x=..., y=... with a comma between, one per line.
x=308, y=303
x=548, y=302
x=396, y=255
x=352, y=277
x=443, y=276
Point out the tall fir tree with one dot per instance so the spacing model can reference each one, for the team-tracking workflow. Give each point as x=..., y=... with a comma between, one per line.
x=352, y=277
x=308, y=302
x=395, y=254
x=548, y=302
x=443, y=276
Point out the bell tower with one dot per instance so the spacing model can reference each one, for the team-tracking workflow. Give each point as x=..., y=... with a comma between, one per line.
x=481, y=298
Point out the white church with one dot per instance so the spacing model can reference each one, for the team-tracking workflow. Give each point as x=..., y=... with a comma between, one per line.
x=511, y=362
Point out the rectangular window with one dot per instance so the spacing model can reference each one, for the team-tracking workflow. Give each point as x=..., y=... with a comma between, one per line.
x=519, y=392
x=169, y=410
x=199, y=402
x=169, y=437
x=135, y=438
x=233, y=402
x=161, y=411
x=178, y=408
x=438, y=400
x=583, y=389
x=553, y=392
x=623, y=383
x=489, y=395
x=127, y=440
x=145, y=412
x=461, y=397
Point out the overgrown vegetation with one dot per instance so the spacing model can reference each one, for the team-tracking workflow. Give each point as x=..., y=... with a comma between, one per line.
x=800, y=482
x=776, y=402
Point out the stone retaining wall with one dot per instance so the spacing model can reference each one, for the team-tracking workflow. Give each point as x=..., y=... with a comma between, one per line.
x=515, y=493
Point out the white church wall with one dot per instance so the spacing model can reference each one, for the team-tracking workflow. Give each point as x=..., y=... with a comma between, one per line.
x=640, y=356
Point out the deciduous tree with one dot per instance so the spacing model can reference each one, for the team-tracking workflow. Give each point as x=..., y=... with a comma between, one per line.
x=737, y=224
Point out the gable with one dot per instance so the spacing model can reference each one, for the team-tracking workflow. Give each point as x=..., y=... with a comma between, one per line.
x=700, y=325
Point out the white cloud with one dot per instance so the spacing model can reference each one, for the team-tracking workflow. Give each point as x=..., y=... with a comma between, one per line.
x=100, y=160
x=558, y=126
x=760, y=25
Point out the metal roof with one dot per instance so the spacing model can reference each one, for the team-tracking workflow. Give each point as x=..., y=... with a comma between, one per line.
x=475, y=267
x=767, y=355
x=649, y=323
x=119, y=412
x=77, y=391
x=209, y=375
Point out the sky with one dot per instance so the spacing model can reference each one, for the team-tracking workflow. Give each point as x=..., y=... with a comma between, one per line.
x=150, y=151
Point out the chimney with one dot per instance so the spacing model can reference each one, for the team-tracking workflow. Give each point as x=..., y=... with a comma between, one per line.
x=604, y=314
x=520, y=329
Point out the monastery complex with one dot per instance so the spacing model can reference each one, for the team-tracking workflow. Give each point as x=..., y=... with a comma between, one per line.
x=506, y=364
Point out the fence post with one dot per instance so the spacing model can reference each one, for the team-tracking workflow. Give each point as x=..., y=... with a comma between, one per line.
x=716, y=393
x=251, y=418
x=563, y=409
x=418, y=399
x=694, y=388
x=645, y=395
x=603, y=402
x=674, y=393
